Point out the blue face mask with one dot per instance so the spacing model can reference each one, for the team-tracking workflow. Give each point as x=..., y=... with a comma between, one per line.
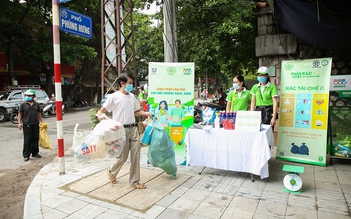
x=129, y=87
x=261, y=79
x=236, y=86
x=28, y=99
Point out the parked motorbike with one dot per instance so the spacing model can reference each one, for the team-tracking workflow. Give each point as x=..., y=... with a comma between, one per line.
x=79, y=103
x=47, y=109
x=216, y=106
x=197, y=113
x=14, y=115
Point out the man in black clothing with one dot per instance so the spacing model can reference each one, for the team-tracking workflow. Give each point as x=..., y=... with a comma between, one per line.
x=30, y=115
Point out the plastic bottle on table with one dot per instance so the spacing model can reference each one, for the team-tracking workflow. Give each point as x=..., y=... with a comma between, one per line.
x=225, y=120
x=217, y=126
x=221, y=115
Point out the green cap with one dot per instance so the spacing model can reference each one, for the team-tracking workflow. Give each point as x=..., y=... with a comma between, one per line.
x=29, y=92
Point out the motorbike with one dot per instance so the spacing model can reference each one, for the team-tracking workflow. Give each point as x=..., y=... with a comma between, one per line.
x=216, y=106
x=14, y=115
x=47, y=110
x=197, y=113
x=79, y=103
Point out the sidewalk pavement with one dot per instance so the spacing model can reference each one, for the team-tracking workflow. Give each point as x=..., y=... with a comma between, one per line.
x=326, y=192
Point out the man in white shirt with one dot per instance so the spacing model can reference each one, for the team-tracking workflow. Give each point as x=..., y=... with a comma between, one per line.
x=125, y=107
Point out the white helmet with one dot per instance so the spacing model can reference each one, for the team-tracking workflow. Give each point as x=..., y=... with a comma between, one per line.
x=52, y=95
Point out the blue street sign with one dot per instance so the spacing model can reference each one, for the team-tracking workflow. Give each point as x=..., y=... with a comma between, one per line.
x=63, y=1
x=75, y=23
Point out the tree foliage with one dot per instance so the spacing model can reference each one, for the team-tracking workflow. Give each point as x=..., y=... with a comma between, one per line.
x=217, y=35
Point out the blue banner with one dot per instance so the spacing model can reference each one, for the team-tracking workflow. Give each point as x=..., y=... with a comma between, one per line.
x=75, y=23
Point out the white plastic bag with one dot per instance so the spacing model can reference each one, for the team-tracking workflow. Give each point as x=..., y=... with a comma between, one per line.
x=107, y=138
x=109, y=130
x=115, y=147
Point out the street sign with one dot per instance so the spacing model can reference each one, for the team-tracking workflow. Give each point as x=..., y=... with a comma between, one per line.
x=63, y=1
x=75, y=23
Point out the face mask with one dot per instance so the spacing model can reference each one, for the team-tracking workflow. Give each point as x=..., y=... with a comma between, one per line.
x=236, y=86
x=28, y=99
x=129, y=88
x=261, y=79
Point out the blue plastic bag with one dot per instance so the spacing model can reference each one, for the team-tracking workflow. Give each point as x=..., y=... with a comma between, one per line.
x=161, y=152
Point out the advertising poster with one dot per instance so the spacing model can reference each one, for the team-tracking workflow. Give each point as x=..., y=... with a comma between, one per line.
x=303, y=111
x=171, y=100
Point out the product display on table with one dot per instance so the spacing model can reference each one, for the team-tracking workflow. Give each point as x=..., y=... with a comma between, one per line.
x=233, y=150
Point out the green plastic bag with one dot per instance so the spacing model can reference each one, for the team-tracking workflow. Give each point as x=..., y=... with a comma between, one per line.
x=161, y=152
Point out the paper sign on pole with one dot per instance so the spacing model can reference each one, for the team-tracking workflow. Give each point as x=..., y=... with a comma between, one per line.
x=249, y=121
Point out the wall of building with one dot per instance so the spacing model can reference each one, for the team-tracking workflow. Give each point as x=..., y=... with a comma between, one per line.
x=274, y=45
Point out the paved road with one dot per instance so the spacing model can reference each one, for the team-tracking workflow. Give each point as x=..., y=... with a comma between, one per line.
x=11, y=138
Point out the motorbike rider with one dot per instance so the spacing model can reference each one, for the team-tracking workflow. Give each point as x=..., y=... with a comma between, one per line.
x=53, y=106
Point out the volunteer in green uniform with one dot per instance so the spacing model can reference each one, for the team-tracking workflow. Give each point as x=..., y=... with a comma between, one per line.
x=265, y=97
x=239, y=98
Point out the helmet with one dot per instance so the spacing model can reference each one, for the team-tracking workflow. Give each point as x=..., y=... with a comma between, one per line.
x=29, y=92
x=52, y=95
x=262, y=70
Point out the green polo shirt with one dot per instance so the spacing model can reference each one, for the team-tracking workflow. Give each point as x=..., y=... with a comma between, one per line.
x=269, y=91
x=177, y=115
x=242, y=102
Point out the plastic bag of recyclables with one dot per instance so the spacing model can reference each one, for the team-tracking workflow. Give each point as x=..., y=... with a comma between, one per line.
x=107, y=138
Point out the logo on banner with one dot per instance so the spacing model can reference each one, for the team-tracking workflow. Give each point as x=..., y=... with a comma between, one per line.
x=341, y=82
x=289, y=66
x=171, y=70
x=325, y=62
x=153, y=71
x=187, y=71
x=316, y=64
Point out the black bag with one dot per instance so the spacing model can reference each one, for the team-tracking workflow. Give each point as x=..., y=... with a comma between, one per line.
x=268, y=115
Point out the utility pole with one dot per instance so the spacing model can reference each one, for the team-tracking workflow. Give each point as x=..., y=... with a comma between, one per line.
x=170, y=31
x=117, y=35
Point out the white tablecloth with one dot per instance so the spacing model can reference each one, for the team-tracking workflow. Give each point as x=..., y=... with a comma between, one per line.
x=230, y=149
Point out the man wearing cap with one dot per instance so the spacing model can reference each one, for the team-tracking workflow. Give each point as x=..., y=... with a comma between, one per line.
x=265, y=97
x=29, y=116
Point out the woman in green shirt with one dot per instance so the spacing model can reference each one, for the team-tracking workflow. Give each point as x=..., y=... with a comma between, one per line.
x=239, y=98
x=265, y=97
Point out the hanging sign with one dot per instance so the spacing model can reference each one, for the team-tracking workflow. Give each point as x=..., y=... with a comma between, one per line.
x=75, y=23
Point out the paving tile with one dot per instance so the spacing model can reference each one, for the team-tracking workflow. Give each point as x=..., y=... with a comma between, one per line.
x=271, y=209
x=302, y=201
x=214, y=205
x=184, y=204
x=172, y=213
x=300, y=213
x=237, y=213
x=244, y=204
x=167, y=200
x=326, y=185
x=72, y=206
x=54, y=214
x=327, y=195
x=327, y=215
x=194, y=216
x=108, y=214
x=158, y=187
x=332, y=207
x=89, y=212
x=55, y=201
x=89, y=183
x=196, y=194
x=152, y=213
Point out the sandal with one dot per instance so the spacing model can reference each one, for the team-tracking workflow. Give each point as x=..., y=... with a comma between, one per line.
x=138, y=186
x=112, y=179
